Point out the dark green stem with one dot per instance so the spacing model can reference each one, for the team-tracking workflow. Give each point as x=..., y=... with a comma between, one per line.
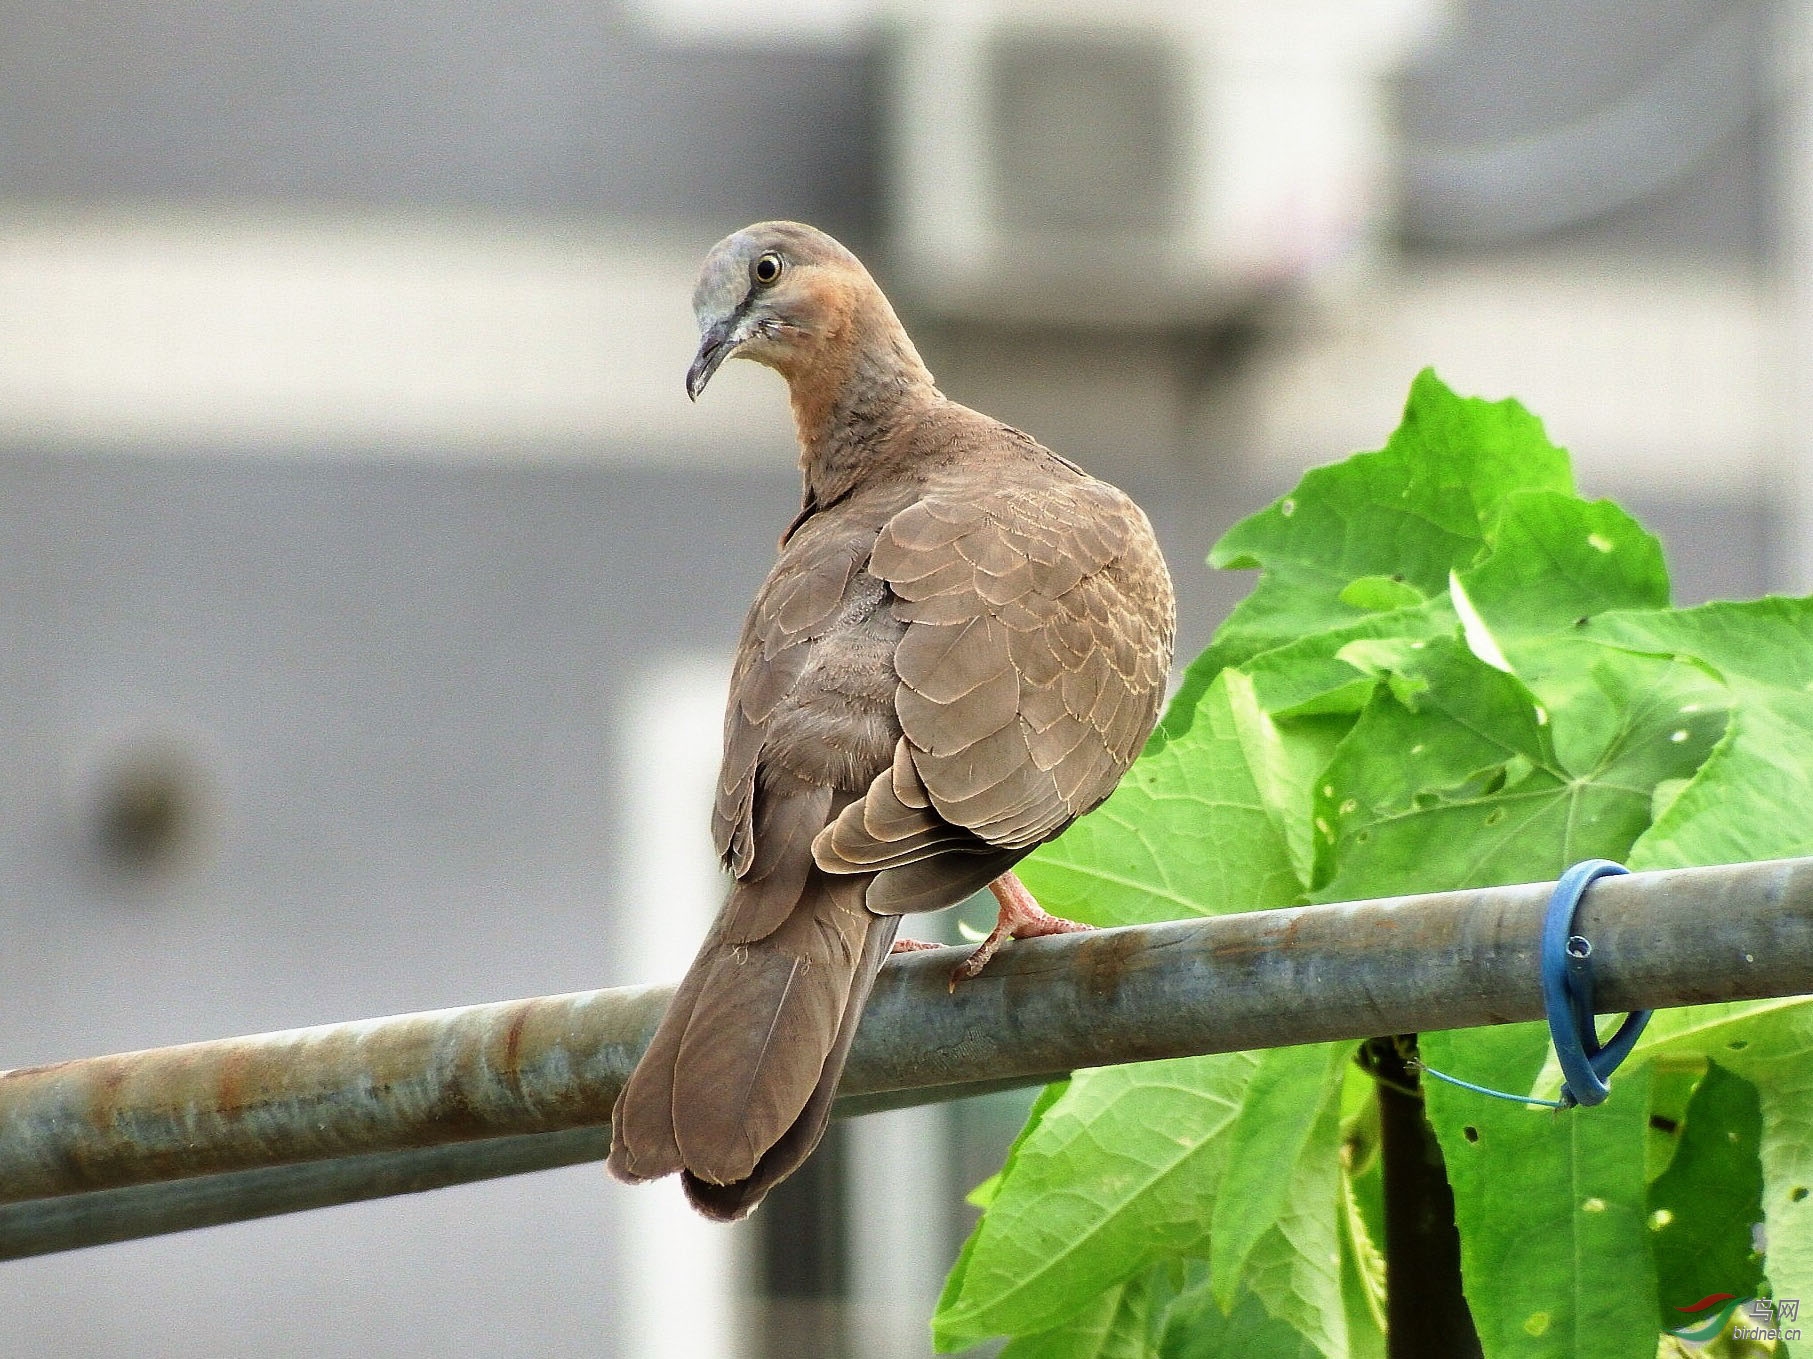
x=1425, y=1309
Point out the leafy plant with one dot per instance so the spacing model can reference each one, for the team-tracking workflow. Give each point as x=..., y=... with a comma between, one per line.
x=1453, y=672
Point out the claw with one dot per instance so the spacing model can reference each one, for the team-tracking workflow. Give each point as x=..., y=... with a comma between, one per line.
x=1020, y=917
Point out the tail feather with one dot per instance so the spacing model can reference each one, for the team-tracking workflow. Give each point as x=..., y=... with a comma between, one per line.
x=643, y=1146
x=736, y=1086
x=762, y=1027
x=728, y=1202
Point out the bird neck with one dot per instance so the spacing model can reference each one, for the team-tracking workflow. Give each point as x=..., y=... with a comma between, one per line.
x=864, y=382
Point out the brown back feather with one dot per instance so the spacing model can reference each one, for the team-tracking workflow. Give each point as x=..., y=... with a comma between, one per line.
x=1039, y=618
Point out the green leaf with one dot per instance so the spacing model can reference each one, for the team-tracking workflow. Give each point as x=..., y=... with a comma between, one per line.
x=1286, y=1102
x=983, y=1195
x=1704, y=1206
x=1671, y=1088
x=1557, y=560
x=1753, y=799
x=1380, y=594
x=1196, y=1329
x=1311, y=677
x=1551, y=1206
x=1732, y=812
x=1488, y=785
x=1420, y=507
x=1119, y=1324
x=1770, y=1044
x=1186, y=833
x=1764, y=642
x=1295, y=1269
x=1362, y=1264
x=1452, y=672
x=1119, y=1171
x=1554, y=561
x=1169, y=1309
x=1295, y=1307
x=1284, y=760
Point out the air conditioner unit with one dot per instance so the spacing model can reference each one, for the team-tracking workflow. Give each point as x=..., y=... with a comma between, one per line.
x=1135, y=164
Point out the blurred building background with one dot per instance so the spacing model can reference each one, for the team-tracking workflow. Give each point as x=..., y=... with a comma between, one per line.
x=368, y=581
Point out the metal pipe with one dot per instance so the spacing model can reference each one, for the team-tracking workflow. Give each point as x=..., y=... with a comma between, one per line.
x=133, y=1144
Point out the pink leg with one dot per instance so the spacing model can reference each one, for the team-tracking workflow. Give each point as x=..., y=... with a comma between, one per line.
x=913, y=945
x=1020, y=917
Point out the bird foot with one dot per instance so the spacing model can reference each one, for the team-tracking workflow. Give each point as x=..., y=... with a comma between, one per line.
x=913, y=945
x=1020, y=917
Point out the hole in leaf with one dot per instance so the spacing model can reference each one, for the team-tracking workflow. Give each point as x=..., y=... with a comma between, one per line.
x=1738, y=1044
x=1494, y=816
x=1470, y=1132
x=1796, y=1194
x=1496, y=782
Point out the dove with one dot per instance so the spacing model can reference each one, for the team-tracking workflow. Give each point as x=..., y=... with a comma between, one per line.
x=962, y=646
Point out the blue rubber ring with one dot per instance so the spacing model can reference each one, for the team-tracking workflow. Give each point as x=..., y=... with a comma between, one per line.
x=1567, y=992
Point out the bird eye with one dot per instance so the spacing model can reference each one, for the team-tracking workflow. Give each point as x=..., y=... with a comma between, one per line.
x=767, y=268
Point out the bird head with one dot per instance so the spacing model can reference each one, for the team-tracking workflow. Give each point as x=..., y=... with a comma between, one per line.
x=775, y=292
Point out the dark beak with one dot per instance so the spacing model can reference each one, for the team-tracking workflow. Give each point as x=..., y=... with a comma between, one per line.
x=715, y=346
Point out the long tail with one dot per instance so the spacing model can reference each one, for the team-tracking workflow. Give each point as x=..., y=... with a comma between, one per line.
x=736, y=1087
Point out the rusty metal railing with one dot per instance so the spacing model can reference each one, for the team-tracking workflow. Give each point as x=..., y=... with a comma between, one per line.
x=109, y=1148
